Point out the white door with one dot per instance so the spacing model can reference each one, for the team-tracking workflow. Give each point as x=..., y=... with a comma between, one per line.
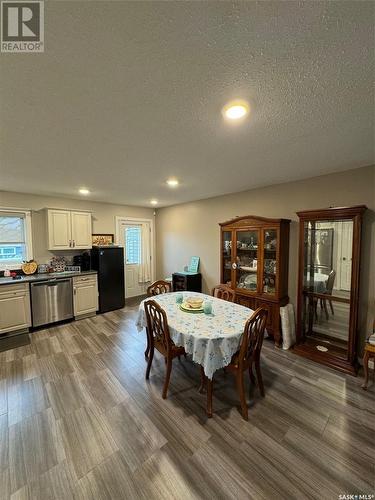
x=81, y=230
x=131, y=238
x=59, y=230
x=346, y=255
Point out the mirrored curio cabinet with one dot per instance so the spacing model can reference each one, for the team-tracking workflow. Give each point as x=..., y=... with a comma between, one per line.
x=328, y=286
x=254, y=263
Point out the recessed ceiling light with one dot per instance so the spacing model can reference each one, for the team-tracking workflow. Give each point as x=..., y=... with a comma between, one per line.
x=172, y=182
x=84, y=191
x=154, y=202
x=236, y=109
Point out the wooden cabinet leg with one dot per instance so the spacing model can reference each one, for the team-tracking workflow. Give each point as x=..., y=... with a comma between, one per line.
x=366, y=358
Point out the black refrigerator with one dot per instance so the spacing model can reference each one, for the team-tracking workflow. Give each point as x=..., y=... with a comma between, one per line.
x=109, y=262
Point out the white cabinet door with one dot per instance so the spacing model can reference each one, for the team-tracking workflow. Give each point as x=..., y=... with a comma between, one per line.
x=59, y=230
x=85, y=295
x=14, y=310
x=81, y=230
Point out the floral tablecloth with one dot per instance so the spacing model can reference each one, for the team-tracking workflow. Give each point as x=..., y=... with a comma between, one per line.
x=211, y=339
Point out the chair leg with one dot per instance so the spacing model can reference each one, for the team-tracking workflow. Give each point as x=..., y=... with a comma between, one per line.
x=259, y=377
x=148, y=344
x=331, y=307
x=209, y=396
x=251, y=374
x=325, y=309
x=366, y=358
x=167, y=377
x=150, y=358
x=241, y=393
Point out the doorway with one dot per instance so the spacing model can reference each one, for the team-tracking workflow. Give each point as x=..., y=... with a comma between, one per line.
x=136, y=237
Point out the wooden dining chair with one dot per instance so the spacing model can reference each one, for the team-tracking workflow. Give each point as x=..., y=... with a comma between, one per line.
x=156, y=288
x=245, y=358
x=159, y=287
x=224, y=292
x=328, y=291
x=160, y=339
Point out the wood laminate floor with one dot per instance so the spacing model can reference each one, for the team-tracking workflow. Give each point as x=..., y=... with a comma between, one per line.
x=79, y=421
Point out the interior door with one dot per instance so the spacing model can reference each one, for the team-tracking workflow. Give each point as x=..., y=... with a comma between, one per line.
x=131, y=239
x=346, y=255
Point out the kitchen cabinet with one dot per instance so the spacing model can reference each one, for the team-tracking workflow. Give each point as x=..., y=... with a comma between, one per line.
x=68, y=229
x=85, y=295
x=15, y=311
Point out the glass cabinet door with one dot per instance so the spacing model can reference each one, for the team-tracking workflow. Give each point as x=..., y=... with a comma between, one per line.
x=327, y=266
x=270, y=244
x=226, y=250
x=246, y=262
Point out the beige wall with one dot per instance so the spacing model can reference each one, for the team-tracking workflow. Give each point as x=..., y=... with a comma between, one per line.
x=192, y=228
x=103, y=217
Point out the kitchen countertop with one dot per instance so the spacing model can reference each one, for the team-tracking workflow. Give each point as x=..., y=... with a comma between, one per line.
x=43, y=277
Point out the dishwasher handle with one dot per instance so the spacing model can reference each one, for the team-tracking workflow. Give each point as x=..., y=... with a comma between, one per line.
x=51, y=282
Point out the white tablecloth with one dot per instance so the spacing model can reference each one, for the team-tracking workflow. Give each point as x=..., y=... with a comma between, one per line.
x=210, y=339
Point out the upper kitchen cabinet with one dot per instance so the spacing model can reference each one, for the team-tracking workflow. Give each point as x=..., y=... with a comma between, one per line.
x=67, y=229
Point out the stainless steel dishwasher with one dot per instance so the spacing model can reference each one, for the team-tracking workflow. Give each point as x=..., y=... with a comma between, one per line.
x=51, y=301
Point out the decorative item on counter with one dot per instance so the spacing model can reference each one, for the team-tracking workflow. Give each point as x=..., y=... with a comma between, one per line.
x=58, y=264
x=103, y=240
x=6, y=273
x=29, y=267
x=43, y=268
x=76, y=269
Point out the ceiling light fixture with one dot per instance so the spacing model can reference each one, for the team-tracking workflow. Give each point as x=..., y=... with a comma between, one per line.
x=235, y=110
x=154, y=202
x=84, y=191
x=172, y=182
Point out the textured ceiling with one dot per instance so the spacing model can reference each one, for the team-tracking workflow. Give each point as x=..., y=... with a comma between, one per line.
x=129, y=93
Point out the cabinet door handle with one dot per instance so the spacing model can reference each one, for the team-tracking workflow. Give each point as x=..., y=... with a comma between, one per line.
x=234, y=265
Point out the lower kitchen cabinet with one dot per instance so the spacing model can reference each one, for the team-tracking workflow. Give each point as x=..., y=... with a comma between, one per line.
x=85, y=296
x=15, y=311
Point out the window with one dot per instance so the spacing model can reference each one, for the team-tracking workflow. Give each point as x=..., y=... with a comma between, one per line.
x=133, y=245
x=15, y=239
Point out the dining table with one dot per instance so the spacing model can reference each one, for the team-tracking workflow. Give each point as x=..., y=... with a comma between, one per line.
x=211, y=339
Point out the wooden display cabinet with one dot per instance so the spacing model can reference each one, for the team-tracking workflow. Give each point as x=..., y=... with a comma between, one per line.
x=328, y=286
x=254, y=263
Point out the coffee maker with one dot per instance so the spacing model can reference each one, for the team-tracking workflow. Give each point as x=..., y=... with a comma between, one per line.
x=83, y=260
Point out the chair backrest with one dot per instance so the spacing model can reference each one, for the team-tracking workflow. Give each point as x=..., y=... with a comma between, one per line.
x=330, y=282
x=157, y=325
x=252, y=338
x=159, y=287
x=224, y=292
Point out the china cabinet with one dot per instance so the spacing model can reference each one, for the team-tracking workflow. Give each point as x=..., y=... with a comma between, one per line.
x=254, y=263
x=328, y=286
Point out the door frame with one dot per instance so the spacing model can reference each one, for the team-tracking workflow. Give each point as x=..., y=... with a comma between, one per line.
x=120, y=220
